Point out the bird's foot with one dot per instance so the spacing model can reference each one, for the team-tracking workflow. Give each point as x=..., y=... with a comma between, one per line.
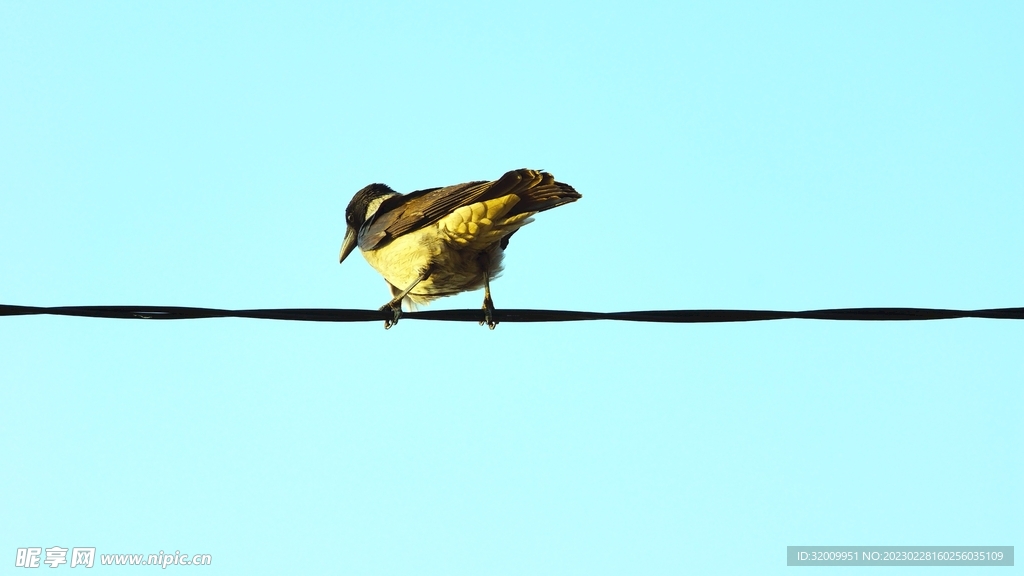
x=488, y=313
x=396, y=313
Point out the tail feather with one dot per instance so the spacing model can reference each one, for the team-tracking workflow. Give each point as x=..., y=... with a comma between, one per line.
x=537, y=191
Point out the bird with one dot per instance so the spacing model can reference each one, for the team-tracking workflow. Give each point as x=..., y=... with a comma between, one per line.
x=443, y=241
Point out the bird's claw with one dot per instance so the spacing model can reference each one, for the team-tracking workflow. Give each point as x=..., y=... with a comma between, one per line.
x=488, y=314
x=396, y=313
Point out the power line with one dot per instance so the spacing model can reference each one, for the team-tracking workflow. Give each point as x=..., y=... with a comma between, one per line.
x=511, y=315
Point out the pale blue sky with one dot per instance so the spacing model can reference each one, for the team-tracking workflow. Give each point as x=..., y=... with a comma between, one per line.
x=730, y=155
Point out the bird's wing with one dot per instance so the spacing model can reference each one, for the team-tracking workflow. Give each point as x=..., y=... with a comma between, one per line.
x=407, y=212
x=536, y=191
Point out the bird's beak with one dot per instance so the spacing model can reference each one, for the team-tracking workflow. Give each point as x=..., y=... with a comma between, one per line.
x=348, y=244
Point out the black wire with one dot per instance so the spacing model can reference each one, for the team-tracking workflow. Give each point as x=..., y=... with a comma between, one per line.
x=510, y=315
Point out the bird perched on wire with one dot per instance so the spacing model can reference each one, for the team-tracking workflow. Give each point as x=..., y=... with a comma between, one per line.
x=443, y=241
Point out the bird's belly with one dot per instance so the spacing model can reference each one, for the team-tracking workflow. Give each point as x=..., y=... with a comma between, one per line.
x=453, y=268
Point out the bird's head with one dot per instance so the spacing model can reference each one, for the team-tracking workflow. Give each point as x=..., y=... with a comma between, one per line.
x=361, y=210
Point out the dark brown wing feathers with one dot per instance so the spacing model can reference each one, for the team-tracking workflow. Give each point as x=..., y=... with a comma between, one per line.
x=537, y=191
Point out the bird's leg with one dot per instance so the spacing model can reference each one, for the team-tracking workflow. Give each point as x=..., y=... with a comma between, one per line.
x=395, y=305
x=488, y=306
x=396, y=313
x=488, y=303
